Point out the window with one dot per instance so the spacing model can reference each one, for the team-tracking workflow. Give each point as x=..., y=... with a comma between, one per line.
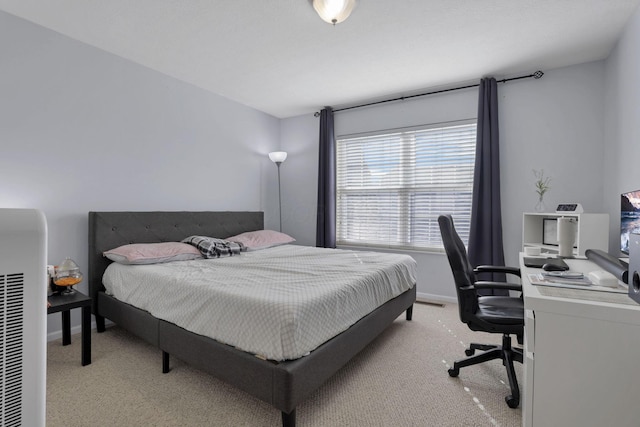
x=392, y=186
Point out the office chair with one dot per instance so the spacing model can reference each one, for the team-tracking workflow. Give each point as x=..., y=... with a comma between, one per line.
x=495, y=314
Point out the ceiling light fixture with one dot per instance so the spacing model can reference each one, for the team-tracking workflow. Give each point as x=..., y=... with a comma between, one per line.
x=334, y=11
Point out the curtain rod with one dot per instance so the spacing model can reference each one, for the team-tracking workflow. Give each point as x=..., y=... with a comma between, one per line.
x=538, y=74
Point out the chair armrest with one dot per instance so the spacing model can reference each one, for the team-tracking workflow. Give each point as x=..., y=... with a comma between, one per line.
x=498, y=285
x=497, y=269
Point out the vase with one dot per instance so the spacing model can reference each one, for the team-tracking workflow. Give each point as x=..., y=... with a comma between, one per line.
x=541, y=206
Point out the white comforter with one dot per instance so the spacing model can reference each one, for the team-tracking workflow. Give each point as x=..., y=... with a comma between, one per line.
x=279, y=303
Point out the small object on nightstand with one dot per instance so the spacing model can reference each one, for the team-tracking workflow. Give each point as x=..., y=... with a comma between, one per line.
x=67, y=275
x=51, y=271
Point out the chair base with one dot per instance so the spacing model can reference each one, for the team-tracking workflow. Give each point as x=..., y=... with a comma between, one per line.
x=505, y=352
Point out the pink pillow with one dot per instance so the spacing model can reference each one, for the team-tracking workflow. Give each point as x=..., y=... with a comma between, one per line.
x=152, y=253
x=261, y=239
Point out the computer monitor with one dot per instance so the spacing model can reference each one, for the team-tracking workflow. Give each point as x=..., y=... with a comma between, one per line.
x=629, y=217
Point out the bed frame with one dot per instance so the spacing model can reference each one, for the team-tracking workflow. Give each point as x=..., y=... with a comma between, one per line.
x=284, y=384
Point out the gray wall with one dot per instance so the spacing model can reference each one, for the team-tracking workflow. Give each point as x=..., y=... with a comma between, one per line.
x=622, y=124
x=83, y=130
x=555, y=123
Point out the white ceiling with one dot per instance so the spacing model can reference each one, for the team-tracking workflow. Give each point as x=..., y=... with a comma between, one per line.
x=279, y=57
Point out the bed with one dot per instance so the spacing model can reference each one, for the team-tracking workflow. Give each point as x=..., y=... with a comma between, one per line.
x=283, y=384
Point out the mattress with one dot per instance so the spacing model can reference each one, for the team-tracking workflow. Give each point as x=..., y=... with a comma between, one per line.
x=278, y=303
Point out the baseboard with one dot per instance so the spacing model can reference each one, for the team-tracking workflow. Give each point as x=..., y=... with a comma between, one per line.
x=57, y=335
x=435, y=299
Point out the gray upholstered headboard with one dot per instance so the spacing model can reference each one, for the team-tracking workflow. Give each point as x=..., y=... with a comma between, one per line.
x=108, y=230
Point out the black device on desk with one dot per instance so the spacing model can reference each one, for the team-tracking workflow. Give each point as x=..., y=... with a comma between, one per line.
x=633, y=274
x=552, y=264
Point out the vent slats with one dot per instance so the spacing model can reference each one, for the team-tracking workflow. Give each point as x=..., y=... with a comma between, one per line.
x=11, y=344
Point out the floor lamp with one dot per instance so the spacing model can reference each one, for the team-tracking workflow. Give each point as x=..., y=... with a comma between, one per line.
x=278, y=157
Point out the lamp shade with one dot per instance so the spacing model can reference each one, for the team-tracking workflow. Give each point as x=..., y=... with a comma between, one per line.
x=278, y=156
x=334, y=11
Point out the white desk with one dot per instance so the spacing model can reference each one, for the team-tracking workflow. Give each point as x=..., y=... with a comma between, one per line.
x=582, y=356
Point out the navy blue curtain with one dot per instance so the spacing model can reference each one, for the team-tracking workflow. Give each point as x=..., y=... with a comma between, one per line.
x=485, y=236
x=326, y=216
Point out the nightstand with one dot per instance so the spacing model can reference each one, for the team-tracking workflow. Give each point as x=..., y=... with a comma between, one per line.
x=64, y=304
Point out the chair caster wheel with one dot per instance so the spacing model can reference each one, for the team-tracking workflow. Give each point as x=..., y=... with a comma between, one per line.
x=469, y=352
x=512, y=402
x=453, y=372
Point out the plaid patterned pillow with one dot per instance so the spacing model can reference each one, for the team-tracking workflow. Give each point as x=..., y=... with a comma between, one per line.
x=210, y=247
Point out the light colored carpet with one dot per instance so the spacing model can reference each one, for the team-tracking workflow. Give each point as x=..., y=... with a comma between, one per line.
x=399, y=380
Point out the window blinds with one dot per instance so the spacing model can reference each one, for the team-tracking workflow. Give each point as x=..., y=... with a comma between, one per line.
x=392, y=186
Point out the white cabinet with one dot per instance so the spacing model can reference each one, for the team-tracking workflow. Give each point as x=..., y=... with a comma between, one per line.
x=592, y=231
x=581, y=355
